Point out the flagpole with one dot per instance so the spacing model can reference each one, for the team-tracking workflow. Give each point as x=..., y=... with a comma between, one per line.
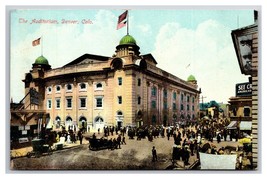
x=41, y=45
x=128, y=23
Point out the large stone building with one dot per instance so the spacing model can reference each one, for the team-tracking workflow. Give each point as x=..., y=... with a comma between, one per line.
x=126, y=89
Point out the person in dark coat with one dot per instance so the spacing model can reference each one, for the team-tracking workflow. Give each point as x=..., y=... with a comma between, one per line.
x=192, y=146
x=218, y=137
x=186, y=156
x=154, y=154
x=80, y=136
x=94, y=136
x=119, y=141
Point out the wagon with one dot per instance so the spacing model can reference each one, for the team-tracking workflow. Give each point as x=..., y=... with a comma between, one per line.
x=39, y=148
x=98, y=144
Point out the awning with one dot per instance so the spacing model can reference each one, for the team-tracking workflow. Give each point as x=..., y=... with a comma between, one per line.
x=232, y=125
x=245, y=125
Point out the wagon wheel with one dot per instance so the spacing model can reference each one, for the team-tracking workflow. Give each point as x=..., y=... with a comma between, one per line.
x=29, y=154
x=37, y=154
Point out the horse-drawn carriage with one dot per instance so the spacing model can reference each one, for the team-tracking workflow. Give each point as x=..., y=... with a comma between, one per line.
x=98, y=144
x=39, y=148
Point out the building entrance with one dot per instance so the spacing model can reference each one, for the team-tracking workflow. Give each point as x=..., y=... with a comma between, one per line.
x=99, y=123
x=119, y=124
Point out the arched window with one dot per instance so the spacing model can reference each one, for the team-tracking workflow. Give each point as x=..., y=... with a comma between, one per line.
x=99, y=120
x=117, y=64
x=143, y=64
x=69, y=123
x=58, y=88
x=82, y=122
x=82, y=86
x=68, y=87
x=99, y=85
x=68, y=119
x=119, y=113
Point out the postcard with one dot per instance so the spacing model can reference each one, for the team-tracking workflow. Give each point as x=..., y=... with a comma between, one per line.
x=133, y=88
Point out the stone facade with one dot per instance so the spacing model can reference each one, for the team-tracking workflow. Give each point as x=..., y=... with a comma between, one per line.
x=127, y=89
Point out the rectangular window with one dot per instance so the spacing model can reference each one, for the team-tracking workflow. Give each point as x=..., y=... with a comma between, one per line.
x=246, y=112
x=139, y=100
x=139, y=82
x=83, y=102
x=182, y=107
x=174, y=106
x=154, y=91
x=58, y=103
x=187, y=107
x=153, y=104
x=165, y=93
x=49, y=104
x=119, y=100
x=182, y=97
x=99, y=102
x=165, y=105
x=188, y=97
x=120, y=81
x=69, y=103
x=174, y=95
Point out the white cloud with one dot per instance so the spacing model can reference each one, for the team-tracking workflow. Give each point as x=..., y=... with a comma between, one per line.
x=144, y=28
x=209, y=51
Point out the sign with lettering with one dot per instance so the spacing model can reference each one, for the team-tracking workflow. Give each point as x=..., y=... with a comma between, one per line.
x=34, y=96
x=244, y=89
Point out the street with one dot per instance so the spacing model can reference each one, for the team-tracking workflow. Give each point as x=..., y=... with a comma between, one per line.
x=135, y=155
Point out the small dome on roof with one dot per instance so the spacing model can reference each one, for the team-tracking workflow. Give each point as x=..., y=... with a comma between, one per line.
x=191, y=78
x=41, y=61
x=127, y=40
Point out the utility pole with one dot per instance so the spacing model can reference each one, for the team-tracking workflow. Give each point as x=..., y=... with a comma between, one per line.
x=202, y=104
x=202, y=98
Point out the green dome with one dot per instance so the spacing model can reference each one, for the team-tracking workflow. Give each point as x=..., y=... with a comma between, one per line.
x=191, y=78
x=41, y=61
x=127, y=40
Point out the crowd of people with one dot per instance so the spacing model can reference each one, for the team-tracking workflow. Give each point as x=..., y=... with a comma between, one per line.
x=187, y=137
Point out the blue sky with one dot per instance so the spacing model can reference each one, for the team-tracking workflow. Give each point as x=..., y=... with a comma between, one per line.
x=175, y=37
